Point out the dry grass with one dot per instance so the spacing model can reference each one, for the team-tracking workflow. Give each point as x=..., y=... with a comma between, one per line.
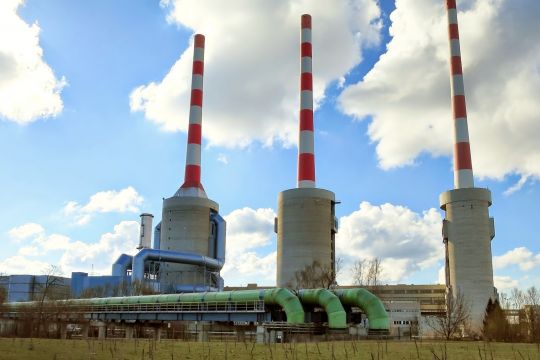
x=44, y=349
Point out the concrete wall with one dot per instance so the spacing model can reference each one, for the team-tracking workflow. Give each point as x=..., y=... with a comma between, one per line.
x=305, y=232
x=468, y=230
x=185, y=227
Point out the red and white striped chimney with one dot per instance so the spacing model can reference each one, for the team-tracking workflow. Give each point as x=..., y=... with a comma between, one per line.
x=463, y=173
x=192, y=181
x=306, y=154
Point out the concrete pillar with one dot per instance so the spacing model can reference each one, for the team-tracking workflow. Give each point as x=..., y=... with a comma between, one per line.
x=63, y=330
x=102, y=330
x=157, y=333
x=260, y=338
x=84, y=330
x=241, y=335
x=129, y=331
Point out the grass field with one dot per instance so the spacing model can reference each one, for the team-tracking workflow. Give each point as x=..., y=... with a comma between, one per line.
x=44, y=349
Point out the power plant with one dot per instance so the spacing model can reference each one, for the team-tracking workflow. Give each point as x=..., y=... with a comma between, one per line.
x=181, y=267
x=467, y=227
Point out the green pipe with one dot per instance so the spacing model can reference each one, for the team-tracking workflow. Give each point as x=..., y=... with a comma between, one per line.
x=277, y=296
x=337, y=317
x=369, y=303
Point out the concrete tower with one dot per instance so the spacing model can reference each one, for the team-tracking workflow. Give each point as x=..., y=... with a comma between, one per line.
x=467, y=227
x=305, y=223
x=186, y=224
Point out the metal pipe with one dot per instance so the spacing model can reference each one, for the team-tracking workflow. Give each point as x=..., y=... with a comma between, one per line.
x=122, y=265
x=463, y=173
x=192, y=179
x=137, y=273
x=221, y=227
x=337, y=317
x=157, y=236
x=369, y=303
x=306, y=151
x=284, y=298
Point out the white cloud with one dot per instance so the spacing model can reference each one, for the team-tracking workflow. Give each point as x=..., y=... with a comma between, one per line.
x=408, y=92
x=25, y=231
x=519, y=256
x=251, y=65
x=248, y=231
x=223, y=159
x=404, y=240
x=517, y=186
x=125, y=200
x=29, y=89
x=29, y=251
x=100, y=255
x=19, y=264
x=505, y=282
x=74, y=255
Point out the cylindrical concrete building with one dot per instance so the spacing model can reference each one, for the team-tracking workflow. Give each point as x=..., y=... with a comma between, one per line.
x=305, y=223
x=145, y=235
x=467, y=227
x=186, y=227
x=467, y=233
x=306, y=228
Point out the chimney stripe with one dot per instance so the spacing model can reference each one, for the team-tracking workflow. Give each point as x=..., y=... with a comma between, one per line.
x=194, y=154
x=194, y=134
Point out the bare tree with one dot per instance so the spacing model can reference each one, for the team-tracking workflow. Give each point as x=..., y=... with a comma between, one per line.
x=52, y=288
x=517, y=298
x=317, y=275
x=532, y=313
x=454, y=320
x=367, y=272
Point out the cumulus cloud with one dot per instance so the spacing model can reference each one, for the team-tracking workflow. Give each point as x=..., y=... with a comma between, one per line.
x=29, y=90
x=407, y=92
x=248, y=231
x=505, y=282
x=252, y=65
x=125, y=200
x=520, y=256
x=100, y=255
x=19, y=264
x=405, y=241
x=73, y=255
x=25, y=231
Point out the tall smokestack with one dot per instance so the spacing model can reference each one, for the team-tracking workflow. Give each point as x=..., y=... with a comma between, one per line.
x=463, y=174
x=467, y=227
x=192, y=181
x=306, y=155
x=305, y=225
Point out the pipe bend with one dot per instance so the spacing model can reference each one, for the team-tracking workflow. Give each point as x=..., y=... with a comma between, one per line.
x=288, y=301
x=337, y=317
x=369, y=303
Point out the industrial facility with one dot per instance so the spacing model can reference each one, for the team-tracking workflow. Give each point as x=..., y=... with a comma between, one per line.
x=180, y=267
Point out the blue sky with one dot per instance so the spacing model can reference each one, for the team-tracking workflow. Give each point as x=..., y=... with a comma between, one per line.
x=98, y=134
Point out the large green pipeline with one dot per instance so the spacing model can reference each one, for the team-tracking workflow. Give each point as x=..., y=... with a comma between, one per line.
x=277, y=296
x=337, y=317
x=369, y=303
